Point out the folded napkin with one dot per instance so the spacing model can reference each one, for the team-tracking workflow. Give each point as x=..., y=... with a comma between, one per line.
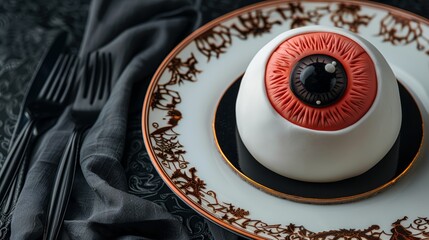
x=139, y=34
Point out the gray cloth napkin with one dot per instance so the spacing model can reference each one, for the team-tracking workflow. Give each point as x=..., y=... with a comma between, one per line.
x=139, y=34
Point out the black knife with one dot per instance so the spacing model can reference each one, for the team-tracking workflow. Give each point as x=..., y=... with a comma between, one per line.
x=12, y=173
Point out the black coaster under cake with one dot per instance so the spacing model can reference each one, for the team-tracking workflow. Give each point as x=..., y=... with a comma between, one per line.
x=394, y=165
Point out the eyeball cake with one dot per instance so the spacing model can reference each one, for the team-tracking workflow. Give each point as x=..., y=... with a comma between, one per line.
x=318, y=104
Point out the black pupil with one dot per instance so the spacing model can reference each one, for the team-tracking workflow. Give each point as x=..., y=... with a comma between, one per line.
x=318, y=80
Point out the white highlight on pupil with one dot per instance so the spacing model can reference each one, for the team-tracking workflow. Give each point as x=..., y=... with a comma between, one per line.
x=318, y=102
x=330, y=67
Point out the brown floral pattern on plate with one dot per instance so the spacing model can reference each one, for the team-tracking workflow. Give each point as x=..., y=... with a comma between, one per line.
x=400, y=30
x=349, y=16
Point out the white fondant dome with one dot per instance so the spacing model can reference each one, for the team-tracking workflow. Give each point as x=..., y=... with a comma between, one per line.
x=315, y=151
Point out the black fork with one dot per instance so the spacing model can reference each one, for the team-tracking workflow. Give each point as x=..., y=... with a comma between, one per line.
x=49, y=104
x=94, y=90
x=40, y=113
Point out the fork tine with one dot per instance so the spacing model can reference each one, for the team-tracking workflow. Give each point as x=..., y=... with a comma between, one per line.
x=83, y=90
x=62, y=83
x=109, y=75
x=45, y=89
x=69, y=79
x=101, y=77
x=105, y=88
x=93, y=79
x=55, y=84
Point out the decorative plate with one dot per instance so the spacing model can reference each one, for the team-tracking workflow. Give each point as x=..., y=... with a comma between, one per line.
x=180, y=105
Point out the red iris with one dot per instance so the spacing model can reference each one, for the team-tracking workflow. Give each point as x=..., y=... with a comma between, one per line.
x=312, y=110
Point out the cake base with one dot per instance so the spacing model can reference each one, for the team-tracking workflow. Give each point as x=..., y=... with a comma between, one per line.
x=389, y=169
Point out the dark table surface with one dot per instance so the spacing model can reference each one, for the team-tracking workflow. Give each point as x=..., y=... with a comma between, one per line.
x=26, y=28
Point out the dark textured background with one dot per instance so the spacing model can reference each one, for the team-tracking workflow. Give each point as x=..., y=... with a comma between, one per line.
x=26, y=27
